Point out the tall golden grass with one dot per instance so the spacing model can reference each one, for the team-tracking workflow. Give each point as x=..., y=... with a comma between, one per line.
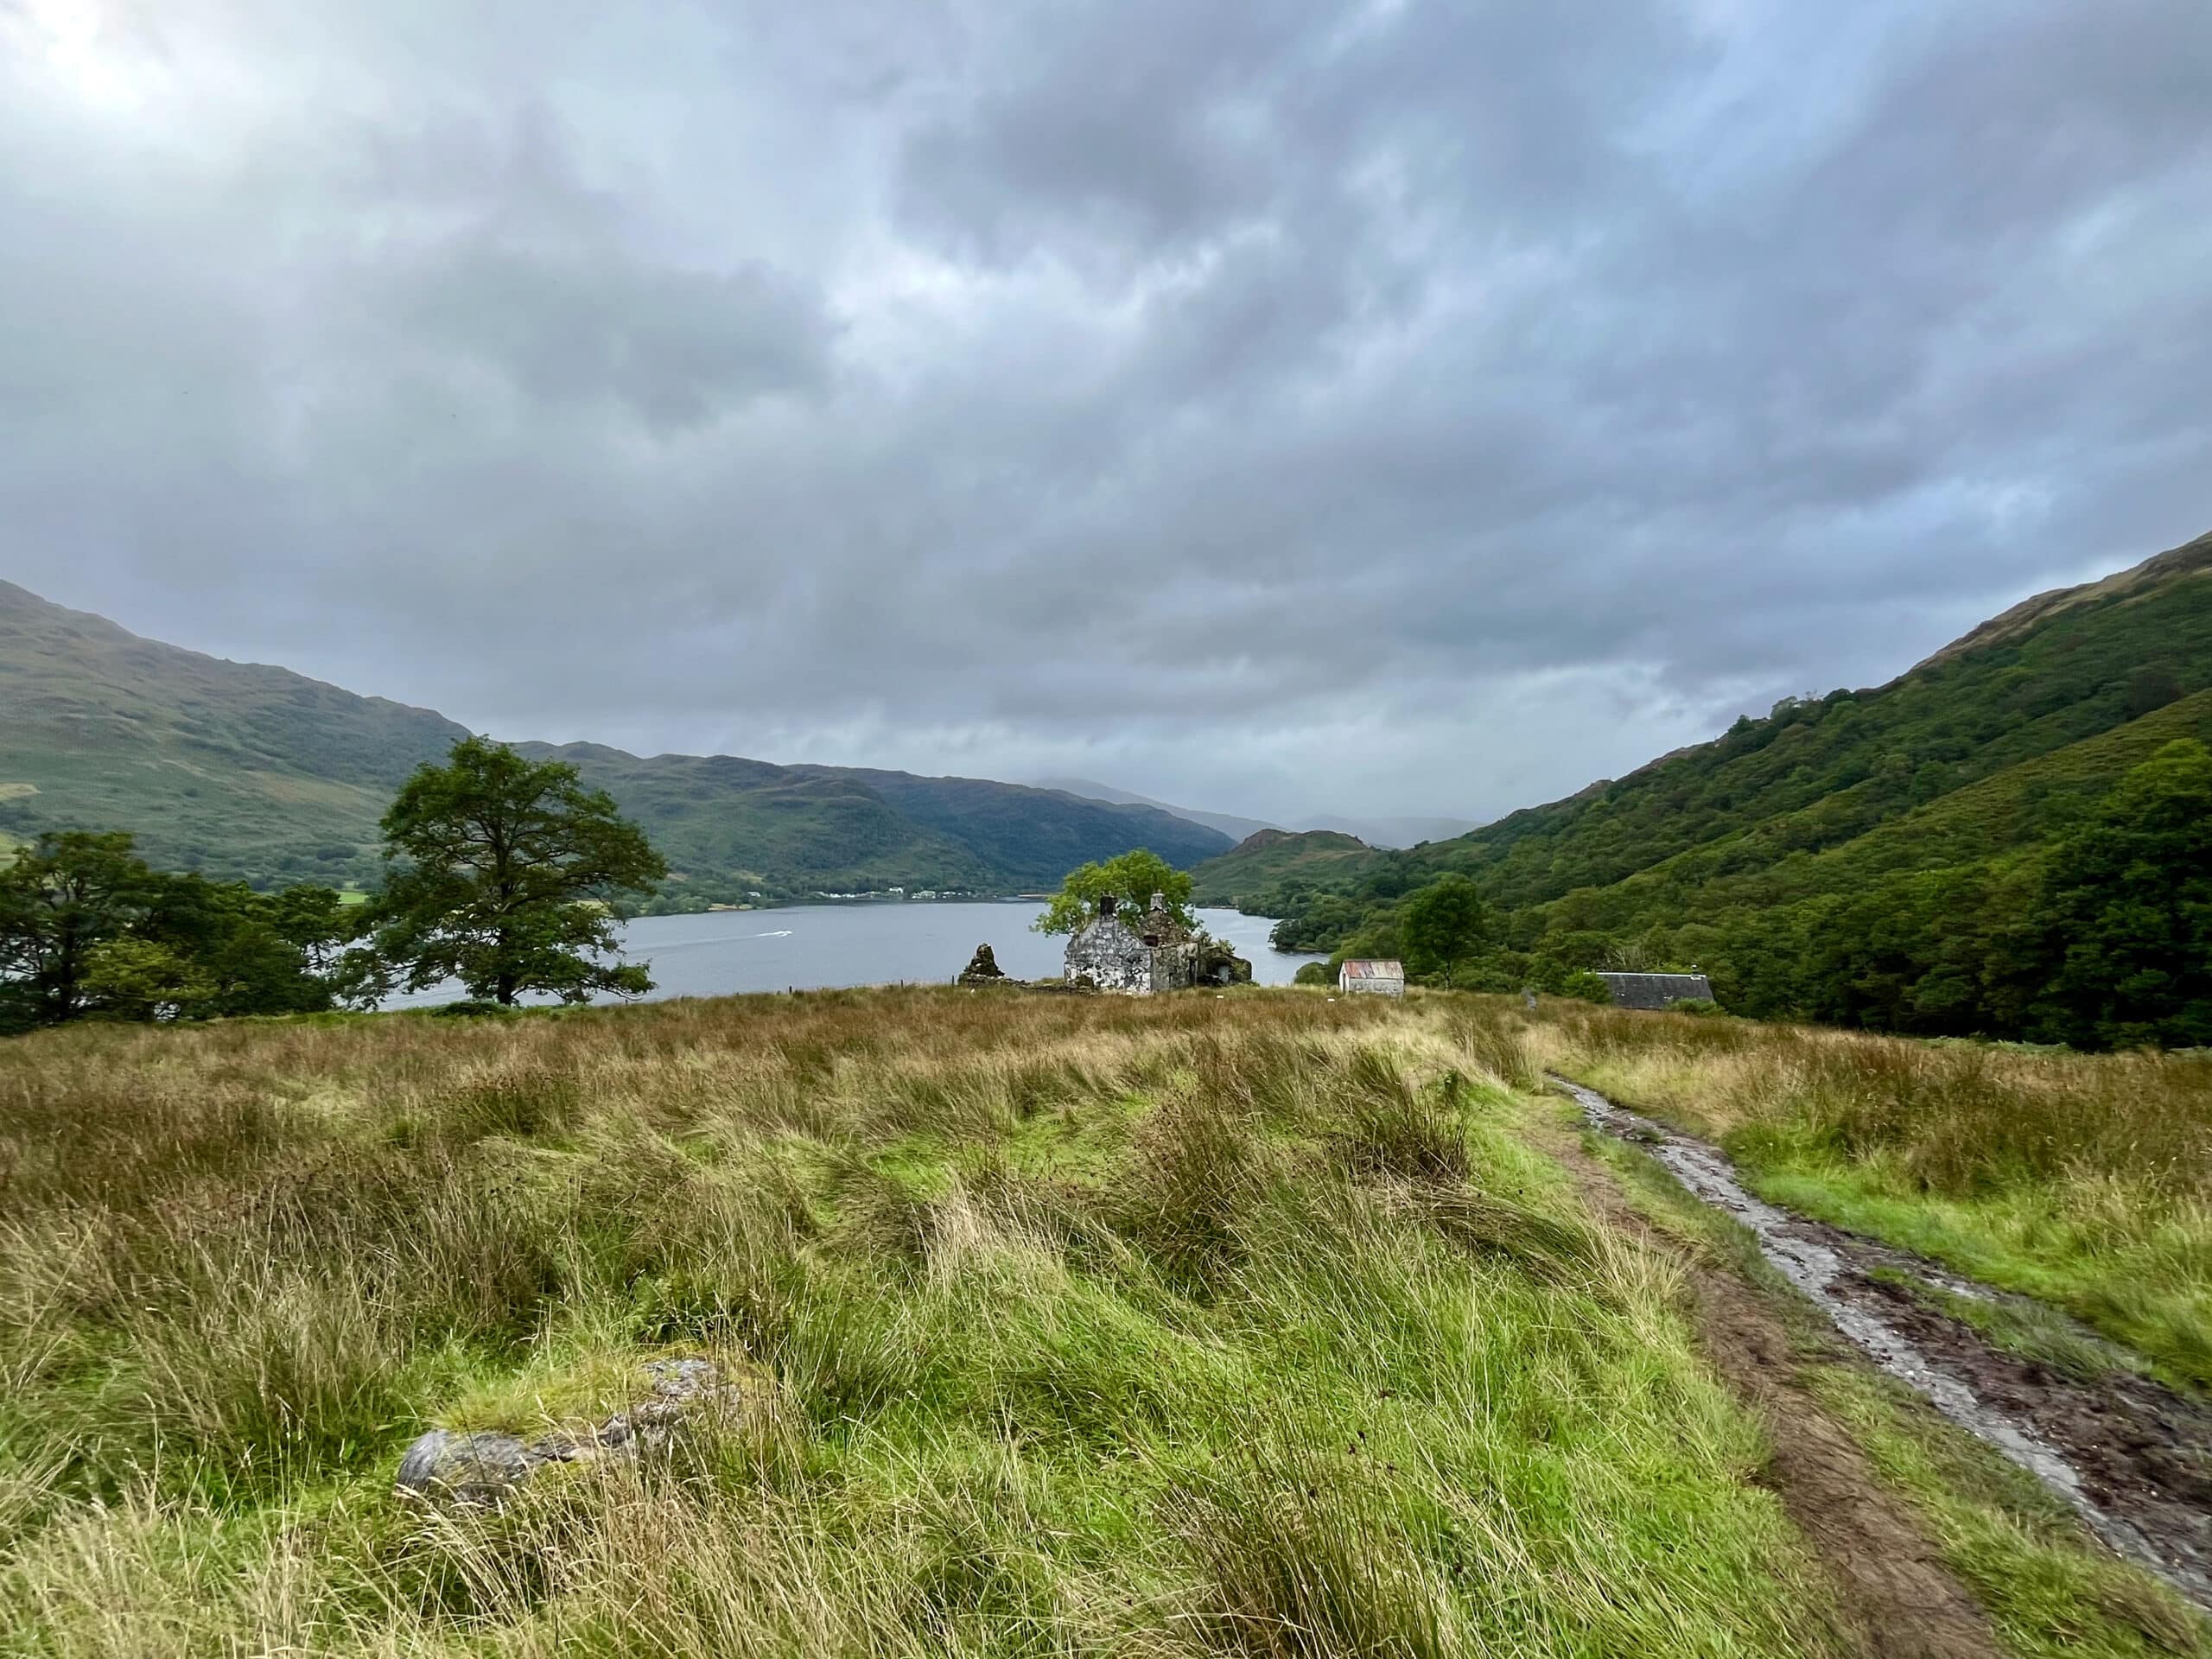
x=1198, y=1326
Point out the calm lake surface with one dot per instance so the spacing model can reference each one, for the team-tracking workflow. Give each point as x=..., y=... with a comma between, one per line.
x=819, y=947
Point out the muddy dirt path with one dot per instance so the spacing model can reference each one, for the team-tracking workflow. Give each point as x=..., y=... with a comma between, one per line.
x=1894, y=1593
x=2132, y=1459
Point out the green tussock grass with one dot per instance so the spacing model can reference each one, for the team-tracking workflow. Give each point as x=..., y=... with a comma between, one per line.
x=2016, y=1545
x=1247, y=1326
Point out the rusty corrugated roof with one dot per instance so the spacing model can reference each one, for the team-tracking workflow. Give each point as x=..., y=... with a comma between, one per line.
x=1375, y=969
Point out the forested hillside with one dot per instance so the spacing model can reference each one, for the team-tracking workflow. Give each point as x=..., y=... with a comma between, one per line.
x=1272, y=858
x=243, y=771
x=1879, y=857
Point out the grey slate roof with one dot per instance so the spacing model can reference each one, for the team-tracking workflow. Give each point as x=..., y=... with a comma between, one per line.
x=1656, y=990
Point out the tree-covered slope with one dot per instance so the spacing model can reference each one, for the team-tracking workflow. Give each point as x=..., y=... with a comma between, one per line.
x=242, y=770
x=1269, y=858
x=1879, y=857
x=1816, y=772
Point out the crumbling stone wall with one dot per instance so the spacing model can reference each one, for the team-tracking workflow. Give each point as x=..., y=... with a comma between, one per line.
x=1109, y=955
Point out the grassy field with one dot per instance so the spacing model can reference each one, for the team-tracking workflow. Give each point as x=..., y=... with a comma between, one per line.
x=1262, y=1324
x=2083, y=1180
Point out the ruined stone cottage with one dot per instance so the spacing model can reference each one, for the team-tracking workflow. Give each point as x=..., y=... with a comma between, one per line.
x=1656, y=990
x=1136, y=955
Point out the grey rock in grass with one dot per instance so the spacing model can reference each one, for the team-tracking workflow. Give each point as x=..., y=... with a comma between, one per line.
x=481, y=1468
x=468, y=1468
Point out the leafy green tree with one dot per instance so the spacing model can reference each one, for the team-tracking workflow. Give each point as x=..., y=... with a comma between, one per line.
x=1585, y=986
x=502, y=872
x=65, y=896
x=1445, y=927
x=2124, y=919
x=1129, y=880
x=249, y=952
x=314, y=921
x=143, y=979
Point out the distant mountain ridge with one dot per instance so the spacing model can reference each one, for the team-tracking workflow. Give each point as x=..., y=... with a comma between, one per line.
x=248, y=771
x=1228, y=823
x=1269, y=859
x=1387, y=832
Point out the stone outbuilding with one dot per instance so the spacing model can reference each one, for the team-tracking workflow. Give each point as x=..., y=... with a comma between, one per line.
x=1134, y=954
x=1656, y=991
x=1381, y=977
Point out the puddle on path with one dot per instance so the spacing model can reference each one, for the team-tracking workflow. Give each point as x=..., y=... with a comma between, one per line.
x=2133, y=1458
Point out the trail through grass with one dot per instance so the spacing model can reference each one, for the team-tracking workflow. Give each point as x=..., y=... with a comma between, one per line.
x=2084, y=1181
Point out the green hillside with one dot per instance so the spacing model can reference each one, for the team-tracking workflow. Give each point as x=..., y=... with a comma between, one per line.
x=1269, y=858
x=246, y=771
x=1868, y=856
x=235, y=769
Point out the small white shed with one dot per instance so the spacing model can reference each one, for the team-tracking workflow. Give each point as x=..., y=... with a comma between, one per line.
x=1381, y=978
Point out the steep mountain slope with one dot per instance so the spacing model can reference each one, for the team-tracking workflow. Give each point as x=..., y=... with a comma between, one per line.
x=2062, y=667
x=1864, y=855
x=1817, y=772
x=243, y=770
x=1273, y=857
x=233, y=768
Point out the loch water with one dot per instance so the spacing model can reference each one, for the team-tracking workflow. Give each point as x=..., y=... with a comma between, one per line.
x=820, y=947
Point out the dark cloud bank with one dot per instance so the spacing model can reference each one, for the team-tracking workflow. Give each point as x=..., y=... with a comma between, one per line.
x=1286, y=408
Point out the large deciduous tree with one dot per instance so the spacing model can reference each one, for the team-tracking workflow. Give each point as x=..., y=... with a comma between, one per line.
x=503, y=870
x=1444, y=927
x=1130, y=880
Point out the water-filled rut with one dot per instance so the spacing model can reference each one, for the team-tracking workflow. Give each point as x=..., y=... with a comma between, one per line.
x=2131, y=1458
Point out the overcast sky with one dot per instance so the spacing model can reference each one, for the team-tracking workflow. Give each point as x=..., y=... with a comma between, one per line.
x=1283, y=407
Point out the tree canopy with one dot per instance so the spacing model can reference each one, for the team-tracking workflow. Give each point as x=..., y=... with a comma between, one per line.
x=1444, y=928
x=2122, y=930
x=88, y=929
x=64, y=896
x=1129, y=880
x=503, y=870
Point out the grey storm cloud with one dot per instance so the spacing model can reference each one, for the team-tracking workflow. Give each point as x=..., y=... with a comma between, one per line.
x=1402, y=406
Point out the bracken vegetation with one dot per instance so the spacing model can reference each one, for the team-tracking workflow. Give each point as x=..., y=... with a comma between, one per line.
x=1259, y=1325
